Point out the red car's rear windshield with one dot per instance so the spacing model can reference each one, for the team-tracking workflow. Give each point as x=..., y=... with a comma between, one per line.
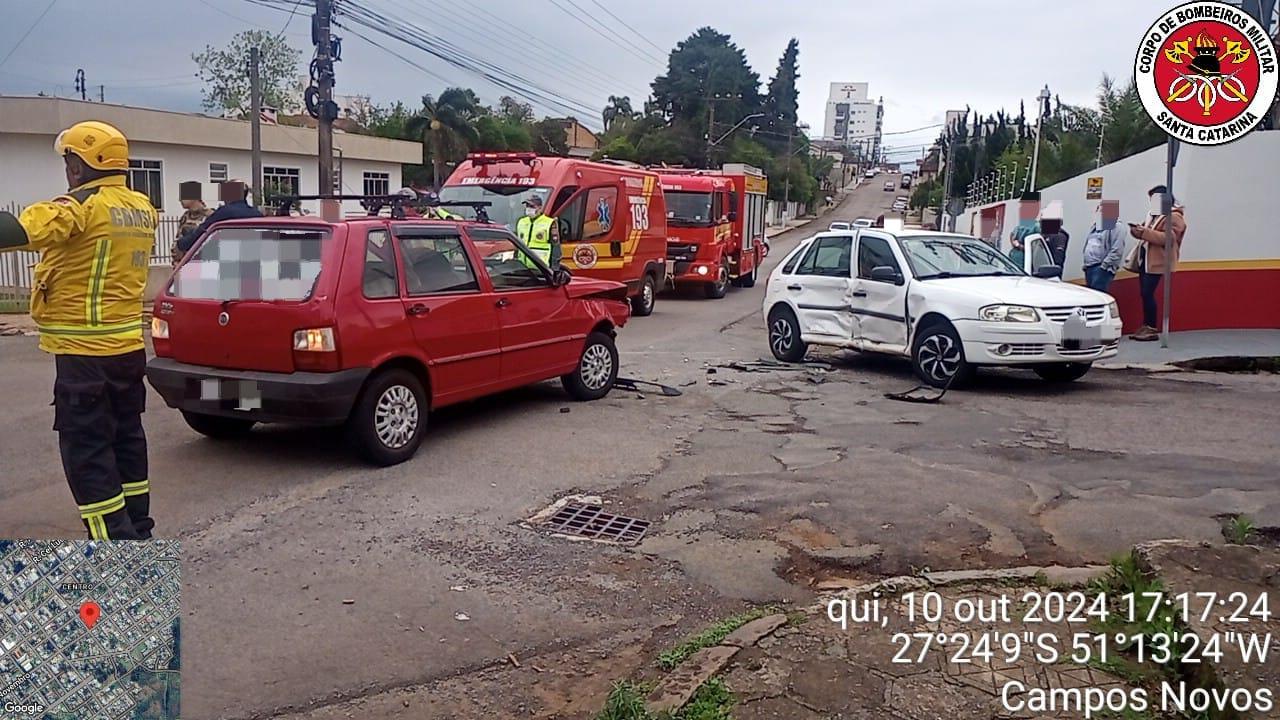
x=246, y=263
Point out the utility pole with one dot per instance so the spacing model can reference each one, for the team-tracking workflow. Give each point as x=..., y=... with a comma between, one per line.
x=1041, y=111
x=786, y=193
x=946, y=184
x=255, y=123
x=327, y=111
x=711, y=123
x=102, y=93
x=1166, y=204
x=80, y=87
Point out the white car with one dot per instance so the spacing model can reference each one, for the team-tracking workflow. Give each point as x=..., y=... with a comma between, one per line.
x=870, y=174
x=863, y=223
x=838, y=225
x=949, y=303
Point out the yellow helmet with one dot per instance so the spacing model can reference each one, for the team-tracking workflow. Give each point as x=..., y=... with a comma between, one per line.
x=98, y=144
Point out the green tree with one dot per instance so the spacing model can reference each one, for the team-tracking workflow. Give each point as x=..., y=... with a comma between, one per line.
x=618, y=148
x=446, y=126
x=512, y=109
x=704, y=70
x=782, y=101
x=617, y=108
x=227, y=83
x=549, y=137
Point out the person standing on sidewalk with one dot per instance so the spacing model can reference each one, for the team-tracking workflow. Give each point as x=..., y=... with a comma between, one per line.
x=1104, y=247
x=95, y=247
x=195, y=213
x=1152, y=256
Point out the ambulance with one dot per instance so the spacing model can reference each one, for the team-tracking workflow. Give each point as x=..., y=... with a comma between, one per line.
x=715, y=226
x=611, y=218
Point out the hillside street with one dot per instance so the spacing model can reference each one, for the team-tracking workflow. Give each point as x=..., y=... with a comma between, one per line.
x=317, y=587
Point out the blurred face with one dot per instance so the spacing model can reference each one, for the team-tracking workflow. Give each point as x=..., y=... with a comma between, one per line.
x=1050, y=225
x=1028, y=210
x=1108, y=214
x=74, y=169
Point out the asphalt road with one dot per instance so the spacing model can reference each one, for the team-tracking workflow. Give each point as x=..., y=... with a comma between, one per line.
x=317, y=587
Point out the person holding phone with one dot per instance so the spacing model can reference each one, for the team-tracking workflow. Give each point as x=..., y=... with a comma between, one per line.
x=1152, y=256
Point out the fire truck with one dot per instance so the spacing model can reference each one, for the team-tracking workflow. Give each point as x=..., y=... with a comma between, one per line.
x=611, y=218
x=715, y=225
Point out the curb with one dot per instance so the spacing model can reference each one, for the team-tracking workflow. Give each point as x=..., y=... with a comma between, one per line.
x=1052, y=574
x=675, y=689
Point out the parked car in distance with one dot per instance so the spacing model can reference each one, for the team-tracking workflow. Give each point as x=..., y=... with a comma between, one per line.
x=950, y=303
x=889, y=186
x=906, y=181
x=870, y=173
x=863, y=222
x=374, y=324
x=838, y=225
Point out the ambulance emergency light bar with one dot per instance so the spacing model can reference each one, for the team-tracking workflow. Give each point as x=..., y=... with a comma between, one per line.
x=489, y=158
x=374, y=204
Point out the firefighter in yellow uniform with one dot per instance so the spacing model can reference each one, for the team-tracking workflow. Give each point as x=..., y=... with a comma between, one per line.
x=95, y=246
x=539, y=233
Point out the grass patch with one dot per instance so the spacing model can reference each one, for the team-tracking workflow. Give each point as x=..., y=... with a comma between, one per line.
x=625, y=702
x=669, y=659
x=797, y=618
x=1240, y=529
x=711, y=701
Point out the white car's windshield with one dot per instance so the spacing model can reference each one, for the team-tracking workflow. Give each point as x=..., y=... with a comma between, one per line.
x=941, y=256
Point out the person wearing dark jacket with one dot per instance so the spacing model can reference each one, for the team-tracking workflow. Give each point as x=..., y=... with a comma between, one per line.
x=235, y=206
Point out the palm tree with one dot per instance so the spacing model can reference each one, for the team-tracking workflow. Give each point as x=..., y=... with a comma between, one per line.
x=616, y=108
x=447, y=128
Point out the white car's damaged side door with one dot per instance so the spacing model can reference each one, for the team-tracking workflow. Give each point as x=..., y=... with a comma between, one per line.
x=821, y=290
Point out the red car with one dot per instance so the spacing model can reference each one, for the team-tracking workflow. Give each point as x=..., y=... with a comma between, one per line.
x=372, y=322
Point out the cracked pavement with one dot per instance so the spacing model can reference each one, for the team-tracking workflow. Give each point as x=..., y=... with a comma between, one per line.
x=765, y=485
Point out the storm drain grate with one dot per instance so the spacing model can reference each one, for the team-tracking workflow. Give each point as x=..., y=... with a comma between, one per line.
x=591, y=521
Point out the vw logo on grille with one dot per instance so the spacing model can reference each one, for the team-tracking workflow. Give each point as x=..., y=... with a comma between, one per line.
x=223, y=318
x=1079, y=311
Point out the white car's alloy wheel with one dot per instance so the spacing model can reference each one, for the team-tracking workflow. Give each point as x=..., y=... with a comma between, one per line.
x=781, y=336
x=939, y=356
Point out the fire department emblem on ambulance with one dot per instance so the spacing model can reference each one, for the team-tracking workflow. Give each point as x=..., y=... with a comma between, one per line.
x=585, y=256
x=1206, y=72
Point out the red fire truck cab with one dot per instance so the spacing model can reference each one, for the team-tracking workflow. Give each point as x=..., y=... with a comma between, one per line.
x=611, y=218
x=715, y=225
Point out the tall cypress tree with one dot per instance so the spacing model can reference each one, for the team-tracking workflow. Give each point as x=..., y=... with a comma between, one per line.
x=782, y=103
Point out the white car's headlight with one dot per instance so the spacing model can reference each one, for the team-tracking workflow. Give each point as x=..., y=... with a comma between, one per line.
x=1009, y=313
x=1113, y=310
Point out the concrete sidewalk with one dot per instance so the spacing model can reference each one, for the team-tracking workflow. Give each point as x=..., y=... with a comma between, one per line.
x=1195, y=345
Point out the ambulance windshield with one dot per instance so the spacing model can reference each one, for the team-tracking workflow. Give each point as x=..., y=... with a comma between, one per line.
x=506, y=201
x=688, y=208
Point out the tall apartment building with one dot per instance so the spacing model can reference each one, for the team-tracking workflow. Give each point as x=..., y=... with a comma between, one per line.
x=853, y=119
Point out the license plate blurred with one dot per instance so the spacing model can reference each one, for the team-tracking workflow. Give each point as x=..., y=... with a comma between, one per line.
x=242, y=395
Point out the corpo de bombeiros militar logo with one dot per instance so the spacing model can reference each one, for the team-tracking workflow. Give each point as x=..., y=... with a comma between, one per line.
x=1206, y=72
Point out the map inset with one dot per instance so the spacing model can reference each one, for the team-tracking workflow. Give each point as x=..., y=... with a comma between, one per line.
x=89, y=629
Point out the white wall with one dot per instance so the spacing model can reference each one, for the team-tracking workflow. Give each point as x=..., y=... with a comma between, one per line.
x=1230, y=193
x=29, y=171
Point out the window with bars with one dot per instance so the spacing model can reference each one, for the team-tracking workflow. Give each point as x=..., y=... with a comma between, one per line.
x=377, y=183
x=278, y=181
x=147, y=177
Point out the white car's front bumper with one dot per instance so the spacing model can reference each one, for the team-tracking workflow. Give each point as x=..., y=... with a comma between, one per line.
x=1006, y=343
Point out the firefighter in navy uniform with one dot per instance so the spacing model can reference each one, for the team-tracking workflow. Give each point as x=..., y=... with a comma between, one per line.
x=95, y=246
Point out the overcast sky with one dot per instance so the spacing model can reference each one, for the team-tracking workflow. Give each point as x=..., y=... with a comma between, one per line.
x=922, y=56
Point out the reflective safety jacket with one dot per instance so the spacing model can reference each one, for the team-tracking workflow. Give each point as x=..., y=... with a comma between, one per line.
x=536, y=234
x=95, y=247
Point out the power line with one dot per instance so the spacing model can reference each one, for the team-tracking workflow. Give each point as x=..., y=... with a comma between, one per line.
x=624, y=24
x=450, y=53
x=581, y=66
x=289, y=20
x=629, y=47
x=23, y=39
x=510, y=54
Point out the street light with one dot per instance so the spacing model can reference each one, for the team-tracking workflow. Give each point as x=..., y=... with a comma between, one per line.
x=1043, y=98
x=741, y=122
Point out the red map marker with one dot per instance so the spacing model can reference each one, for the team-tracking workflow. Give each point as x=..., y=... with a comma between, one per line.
x=89, y=613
